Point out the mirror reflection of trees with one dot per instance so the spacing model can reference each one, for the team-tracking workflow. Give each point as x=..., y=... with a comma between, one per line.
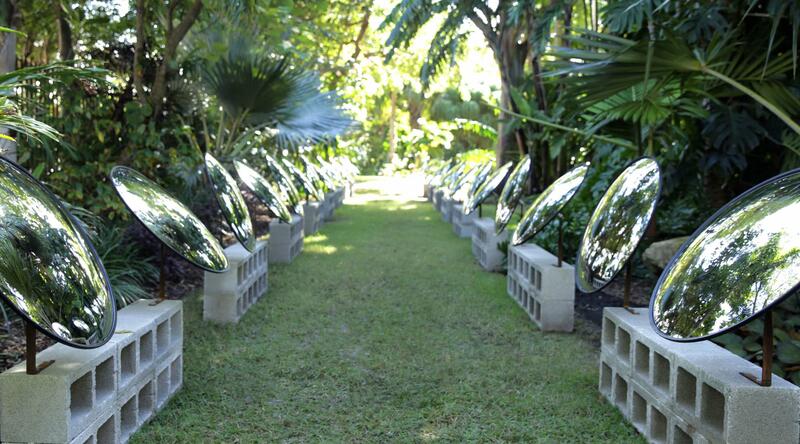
x=489, y=186
x=279, y=175
x=549, y=203
x=746, y=259
x=168, y=219
x=231, y=202
x=617, y=225
x=303, y=182
x=48, y=270
x=512, y=192
x=265, y=192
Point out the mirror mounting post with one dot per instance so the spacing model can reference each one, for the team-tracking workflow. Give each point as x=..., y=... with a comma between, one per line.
x=30, y=351
x=767, y=349
x=626, y=292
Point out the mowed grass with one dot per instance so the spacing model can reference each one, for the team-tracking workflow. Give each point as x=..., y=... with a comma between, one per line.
x=385, y=330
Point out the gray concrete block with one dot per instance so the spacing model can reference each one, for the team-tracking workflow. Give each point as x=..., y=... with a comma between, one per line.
x=228, y=295
x=286, y=240
x=695, y=390
x=546, y=292
x=485, y=243
x=438, y=194
x=463, y=225
x=311, y=215
x=78, y=396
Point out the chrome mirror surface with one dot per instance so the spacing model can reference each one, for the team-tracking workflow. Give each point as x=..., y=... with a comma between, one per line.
x=511, y=194
x=617, y=225
x=739, y=264
x=549, y=203
x=168, y=219
x=231, y=202
x=265, y=192
x=49, y=271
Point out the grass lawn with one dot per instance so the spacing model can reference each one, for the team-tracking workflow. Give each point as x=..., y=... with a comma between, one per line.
x=385, y=329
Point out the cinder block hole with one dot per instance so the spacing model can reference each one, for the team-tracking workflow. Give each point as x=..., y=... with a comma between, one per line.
x=104, y=379
x=162, y=337
x=609, y=329
x=621, y=393
x=538, y=280
x=175, y=327
x=712, y=408
x=660, y=372
x=641, y=359
x=605, y=378
x=239, y=274
x=623, y=345
x=127, y=363
x=146, y=349
x=176, y=373
x=107, y=433
x=129, y=418
x=162, y=389
x=681, y=437
x=686, y=389
x=639, y=411
x=146, y=402
x=658, y=426
x=81, y=396
x=537, y=311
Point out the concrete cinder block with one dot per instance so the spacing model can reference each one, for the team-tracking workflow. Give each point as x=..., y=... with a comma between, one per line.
x=447, y=209
x=285, y=240
x=311, y=216
x=79, y=397
x=544, y=290
x=485, y=244
x=463, y=225
x=62, y=400
x=228, y=295
x=694, y=391
x=436, y=199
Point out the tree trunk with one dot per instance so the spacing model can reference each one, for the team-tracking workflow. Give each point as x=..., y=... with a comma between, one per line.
x=65, y=51
x=8, y=63
x=174, y=35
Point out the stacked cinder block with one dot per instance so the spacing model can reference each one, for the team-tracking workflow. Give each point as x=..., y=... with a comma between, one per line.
x=485, y=244
x=438, y=194
x=328, y=206
x=285, y=240
x=463, y=224
x=447, y=209
x=545, y=291
x=311, y=217
x=340, y=195
x=690, y=392
x=227, y=296
x=100, y=395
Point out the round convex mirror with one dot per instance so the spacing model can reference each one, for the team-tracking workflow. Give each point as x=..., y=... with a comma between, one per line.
x=480, y=177
x=511, y=194
x=168, y=219
x=265, y=192
x=49, y=271
x=740, y=263
x=547, y=205
x=231, y=202
x=284, y=181
x=303, y=181
x=617, y=225
x=488, y=187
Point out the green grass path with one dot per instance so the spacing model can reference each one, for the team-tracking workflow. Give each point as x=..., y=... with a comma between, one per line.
x=385, y=330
